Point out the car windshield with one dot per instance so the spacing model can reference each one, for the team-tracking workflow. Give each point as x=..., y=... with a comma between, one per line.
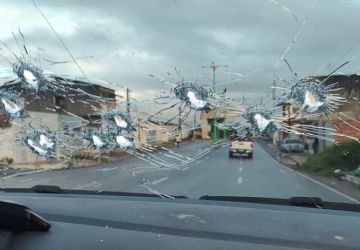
x=148, y=96
x=292, y=141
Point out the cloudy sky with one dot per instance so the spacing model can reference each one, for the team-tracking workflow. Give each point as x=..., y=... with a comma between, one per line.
x=124, y=41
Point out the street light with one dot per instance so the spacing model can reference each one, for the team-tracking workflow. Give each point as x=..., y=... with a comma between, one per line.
x=214, y=66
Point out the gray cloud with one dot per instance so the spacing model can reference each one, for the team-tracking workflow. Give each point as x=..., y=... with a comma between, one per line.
x=129, y=39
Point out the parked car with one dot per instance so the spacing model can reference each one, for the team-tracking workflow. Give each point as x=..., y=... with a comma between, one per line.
x=292, y=145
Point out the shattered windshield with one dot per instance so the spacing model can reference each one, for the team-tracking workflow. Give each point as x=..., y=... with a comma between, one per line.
x=182, y=98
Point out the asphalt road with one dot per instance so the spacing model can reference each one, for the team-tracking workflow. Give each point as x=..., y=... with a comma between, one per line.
x=212, y=174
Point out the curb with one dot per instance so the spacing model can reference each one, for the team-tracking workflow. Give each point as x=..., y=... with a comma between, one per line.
x=23, y=173
x=343, y=192
x=276, y=154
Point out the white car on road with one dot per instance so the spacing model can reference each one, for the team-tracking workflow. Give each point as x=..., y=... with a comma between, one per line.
x=241, y=148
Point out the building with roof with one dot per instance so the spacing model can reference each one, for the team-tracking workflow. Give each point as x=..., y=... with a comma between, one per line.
x=63, y=109
x=345, y=119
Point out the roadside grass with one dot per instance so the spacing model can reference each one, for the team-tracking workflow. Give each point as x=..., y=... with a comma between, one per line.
x=345, y=157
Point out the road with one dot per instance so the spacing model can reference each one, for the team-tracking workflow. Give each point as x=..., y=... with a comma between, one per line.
x=212, y=174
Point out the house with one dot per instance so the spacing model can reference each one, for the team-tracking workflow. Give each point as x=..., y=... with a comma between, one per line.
x=345, y=119
x=216, y=118
x=150, y=133
x=65, y=109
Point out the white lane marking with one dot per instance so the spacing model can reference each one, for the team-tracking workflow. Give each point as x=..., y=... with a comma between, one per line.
x=148, y=169
x=159, y=180
x=24, y=173
x=240, y=169
x=313, y=180
x=338, y=237
x=26, y=180
x=93, y=183
x=106, y=169
x=327, y=187
x=239, y=180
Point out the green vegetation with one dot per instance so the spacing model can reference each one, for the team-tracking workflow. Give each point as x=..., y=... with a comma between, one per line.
x=345, y=157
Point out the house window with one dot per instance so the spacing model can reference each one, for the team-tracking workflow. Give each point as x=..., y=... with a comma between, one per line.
x=295, y=110
x=94, y=120
x=4, y=119
x=60, y=102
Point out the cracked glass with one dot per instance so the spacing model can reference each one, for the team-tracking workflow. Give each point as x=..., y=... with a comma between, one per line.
x=182, y=98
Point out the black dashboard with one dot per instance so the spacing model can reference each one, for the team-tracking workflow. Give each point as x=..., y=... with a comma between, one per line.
x=119, y=222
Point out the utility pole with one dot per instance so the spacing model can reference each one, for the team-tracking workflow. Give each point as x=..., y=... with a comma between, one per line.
x=179, y=122
x=214, y=66
x=128, y=100
x=178, y=135
x=273, y=90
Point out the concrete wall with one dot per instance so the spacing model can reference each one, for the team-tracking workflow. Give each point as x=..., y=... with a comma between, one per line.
x=204, y=125
x=12, y=147
x=348, y=127
x=157, y=134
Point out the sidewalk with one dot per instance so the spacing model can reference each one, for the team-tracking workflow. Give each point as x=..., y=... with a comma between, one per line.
x=83, y=160
x=295, y=160
x=290, y=160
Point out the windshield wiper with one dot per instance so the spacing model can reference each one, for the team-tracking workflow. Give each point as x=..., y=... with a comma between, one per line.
x=19, y=218
x=313, y=202
x=58, y=190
